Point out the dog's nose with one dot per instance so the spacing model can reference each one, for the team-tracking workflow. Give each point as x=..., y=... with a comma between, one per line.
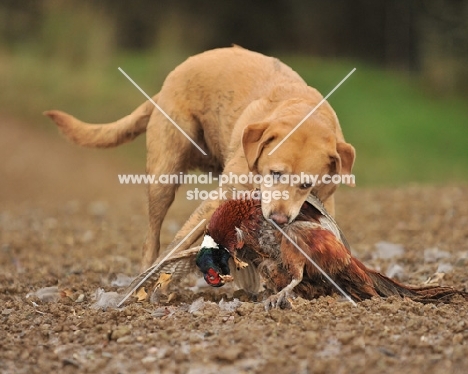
x=279, y=218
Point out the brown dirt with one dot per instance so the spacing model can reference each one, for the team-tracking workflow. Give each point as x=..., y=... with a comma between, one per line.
x=65, y=222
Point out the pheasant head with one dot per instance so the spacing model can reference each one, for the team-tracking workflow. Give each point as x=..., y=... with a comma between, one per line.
x=213, y=262
x=225, y=236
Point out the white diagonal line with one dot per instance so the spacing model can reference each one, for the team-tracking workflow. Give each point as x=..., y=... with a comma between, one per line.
x=315, y=264
x=162, y=111
x=312, y=111
x=156, y=267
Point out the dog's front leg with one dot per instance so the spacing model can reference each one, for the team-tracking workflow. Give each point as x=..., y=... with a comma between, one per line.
x=204, y=211
x=330, y=205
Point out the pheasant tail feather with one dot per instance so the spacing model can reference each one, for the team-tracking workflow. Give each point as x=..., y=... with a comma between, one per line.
x=387, y=287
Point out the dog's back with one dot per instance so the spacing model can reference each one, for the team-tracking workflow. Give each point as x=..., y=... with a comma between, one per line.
x=213, y=87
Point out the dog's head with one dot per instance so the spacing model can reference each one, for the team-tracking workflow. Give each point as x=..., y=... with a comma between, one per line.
x=314, y=149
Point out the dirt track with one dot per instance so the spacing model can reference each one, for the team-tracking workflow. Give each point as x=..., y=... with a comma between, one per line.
x=65, y=222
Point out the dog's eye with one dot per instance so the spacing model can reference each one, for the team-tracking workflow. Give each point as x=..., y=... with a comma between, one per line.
x=305, y=186
x=275, y=174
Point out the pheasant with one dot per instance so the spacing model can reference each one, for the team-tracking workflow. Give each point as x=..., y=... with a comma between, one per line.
x=310, y=256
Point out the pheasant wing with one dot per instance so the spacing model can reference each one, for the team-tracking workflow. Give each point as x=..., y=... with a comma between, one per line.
x=178, y=265
x=327, y=221
x=246, y=278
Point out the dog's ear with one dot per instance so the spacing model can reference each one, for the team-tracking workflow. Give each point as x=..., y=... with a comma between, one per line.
x=254, y=138
x=347, y=156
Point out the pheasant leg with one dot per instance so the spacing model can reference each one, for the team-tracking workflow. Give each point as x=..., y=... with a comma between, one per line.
x=239, y=263
x=281, y=299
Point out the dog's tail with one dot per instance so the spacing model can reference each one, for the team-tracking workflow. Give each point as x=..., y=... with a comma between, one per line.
x=108, y=135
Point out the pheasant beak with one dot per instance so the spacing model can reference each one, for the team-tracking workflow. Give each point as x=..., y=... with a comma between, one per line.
x=226, y=278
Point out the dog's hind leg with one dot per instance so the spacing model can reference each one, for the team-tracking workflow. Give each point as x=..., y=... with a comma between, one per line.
x=160, y=198
x=169, y=153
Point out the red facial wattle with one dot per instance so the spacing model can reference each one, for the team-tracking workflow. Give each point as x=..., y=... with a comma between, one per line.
x=212, y=278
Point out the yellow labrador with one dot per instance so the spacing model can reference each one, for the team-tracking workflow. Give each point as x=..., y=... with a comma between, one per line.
x=237, y=105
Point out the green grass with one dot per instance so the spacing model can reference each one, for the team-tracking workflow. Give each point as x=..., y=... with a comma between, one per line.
x=402, y=133
x=32, y=84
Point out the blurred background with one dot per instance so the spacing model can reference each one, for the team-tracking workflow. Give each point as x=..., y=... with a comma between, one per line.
x=404, y=109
